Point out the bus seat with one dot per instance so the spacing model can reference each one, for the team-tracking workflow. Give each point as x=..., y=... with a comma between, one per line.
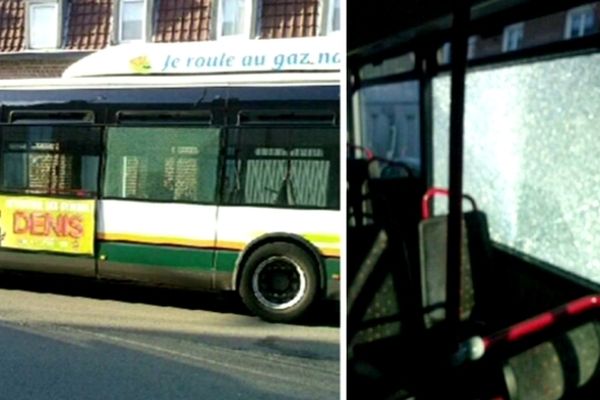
x=476, y=267
x=565, y=366
x=553, y=355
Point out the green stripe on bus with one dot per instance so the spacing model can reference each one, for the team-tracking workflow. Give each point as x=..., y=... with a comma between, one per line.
x=226, y=260
x=332, y=267
x=162, y=256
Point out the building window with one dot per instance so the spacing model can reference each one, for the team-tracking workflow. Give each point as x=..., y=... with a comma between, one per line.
x=581, y=21
x=234, y=19
x=43, y=25
x=444, y=54
x=334, y=17
x=512, y=38
x=132, y=20
x=472, y=47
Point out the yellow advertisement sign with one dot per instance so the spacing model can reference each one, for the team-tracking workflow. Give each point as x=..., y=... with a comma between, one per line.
x=39, y=223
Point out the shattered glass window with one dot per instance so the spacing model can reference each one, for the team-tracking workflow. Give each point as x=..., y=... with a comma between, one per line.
x=532, y=162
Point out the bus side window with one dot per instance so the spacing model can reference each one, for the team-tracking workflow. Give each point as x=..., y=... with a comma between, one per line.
x=163, y=164
x=50, y=160
x=283, y=167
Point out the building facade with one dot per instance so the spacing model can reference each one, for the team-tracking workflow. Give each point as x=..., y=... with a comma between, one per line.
x=570, y=24
x=40, y=38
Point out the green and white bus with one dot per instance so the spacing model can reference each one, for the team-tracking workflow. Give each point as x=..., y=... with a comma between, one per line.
x=220, y=181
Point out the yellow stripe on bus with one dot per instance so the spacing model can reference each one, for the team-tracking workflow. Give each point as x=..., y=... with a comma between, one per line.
x=330, y=252
x=156, y=239
x=224, y=244
x=322, y=238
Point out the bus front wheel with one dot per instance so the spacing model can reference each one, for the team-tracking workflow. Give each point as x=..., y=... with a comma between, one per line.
x=279, y=282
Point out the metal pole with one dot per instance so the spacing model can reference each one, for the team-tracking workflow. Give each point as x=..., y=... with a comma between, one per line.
x=459, y=66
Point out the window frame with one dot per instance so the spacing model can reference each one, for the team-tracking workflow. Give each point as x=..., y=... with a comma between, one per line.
x=507, y=36
x=29, y=6
x=249, y=18
x=582, y=10
x=146, y=21
x=329, y=14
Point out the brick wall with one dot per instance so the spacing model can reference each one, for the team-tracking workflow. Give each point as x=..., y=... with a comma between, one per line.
x=12, y=25
x=88, y=25
x=33, y=68
x=183, y=21
x=289, y=18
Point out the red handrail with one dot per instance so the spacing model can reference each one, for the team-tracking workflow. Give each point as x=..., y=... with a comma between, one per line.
x=425, y=211
x=539, y=323
x=434, y=191
x=476, y=347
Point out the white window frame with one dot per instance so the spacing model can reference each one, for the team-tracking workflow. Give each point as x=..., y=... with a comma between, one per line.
x=29, y=6
x=507, y=35
x=249, y=18
x=330, y=14
x=583, y=10
x=145, y=21
x=326, y=8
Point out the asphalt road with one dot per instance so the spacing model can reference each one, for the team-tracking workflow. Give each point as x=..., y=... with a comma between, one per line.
x=69, y=340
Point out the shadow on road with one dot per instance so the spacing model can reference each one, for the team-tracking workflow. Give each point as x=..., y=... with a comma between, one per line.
x=328, y=313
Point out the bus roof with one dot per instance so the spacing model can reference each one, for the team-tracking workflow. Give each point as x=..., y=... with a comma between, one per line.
x=182, y=81
x=211, y=57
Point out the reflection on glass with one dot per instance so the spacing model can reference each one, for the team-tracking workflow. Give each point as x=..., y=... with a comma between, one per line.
x=335, y=16
x=43, y=22
x=390, y=121
x=132, y=16
x=232, y=17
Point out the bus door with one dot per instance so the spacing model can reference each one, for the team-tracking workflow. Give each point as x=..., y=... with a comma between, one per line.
x=48, y=188
x=157, y=216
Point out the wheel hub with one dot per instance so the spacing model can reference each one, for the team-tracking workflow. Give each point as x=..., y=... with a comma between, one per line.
x=279, y=283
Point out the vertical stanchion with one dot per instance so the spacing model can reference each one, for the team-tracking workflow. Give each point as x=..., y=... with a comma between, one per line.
x=458, y=53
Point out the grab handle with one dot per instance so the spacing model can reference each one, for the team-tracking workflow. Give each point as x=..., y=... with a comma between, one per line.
x=435, y=191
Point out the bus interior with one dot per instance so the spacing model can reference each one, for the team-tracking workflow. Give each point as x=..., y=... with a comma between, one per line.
x=472, y=200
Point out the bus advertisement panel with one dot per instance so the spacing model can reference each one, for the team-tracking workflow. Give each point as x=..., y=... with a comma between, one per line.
x=47, y=224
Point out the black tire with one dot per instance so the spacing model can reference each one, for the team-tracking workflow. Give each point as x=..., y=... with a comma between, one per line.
x=279, y=282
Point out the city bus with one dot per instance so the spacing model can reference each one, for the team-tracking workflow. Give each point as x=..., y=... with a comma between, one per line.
x=473, y=200
x=221, y=176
